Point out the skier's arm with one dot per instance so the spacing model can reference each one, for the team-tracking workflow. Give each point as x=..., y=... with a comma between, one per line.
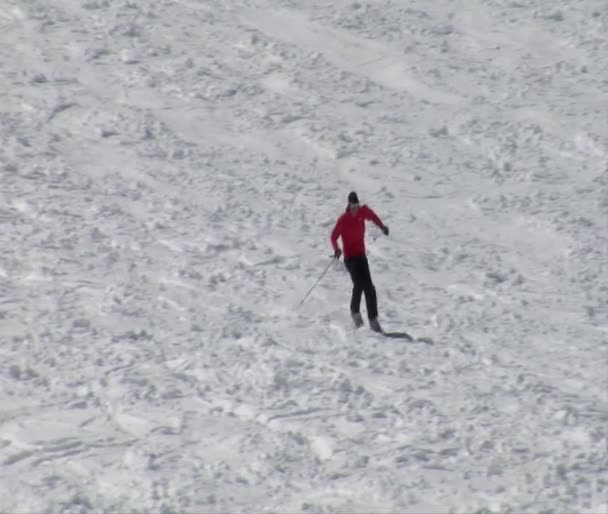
x=370, y=215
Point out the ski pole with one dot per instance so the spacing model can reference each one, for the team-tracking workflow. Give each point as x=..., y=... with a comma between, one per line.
x=318, y=280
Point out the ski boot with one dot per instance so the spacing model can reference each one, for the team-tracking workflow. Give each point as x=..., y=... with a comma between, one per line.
x=375, y=325
x=357, y=319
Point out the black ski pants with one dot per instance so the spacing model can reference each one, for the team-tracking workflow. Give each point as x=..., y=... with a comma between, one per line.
x=358, y=268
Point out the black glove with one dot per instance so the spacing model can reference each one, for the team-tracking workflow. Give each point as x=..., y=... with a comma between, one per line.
x=385, y=230
x=337, y=253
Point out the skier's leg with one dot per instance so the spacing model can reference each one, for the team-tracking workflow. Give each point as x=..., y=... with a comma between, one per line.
x=355, y=300
x=354, y=268
x=371, y=300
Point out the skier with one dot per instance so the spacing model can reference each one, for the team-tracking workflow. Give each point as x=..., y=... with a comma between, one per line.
x=351, y=228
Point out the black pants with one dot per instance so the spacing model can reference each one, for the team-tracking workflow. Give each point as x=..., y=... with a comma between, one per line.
x=358, y=268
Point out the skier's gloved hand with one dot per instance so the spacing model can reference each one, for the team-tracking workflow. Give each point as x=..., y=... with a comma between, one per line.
x=337, y=253
x=385, y=230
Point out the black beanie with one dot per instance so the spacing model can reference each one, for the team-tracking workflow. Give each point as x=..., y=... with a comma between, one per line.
x=353, y=198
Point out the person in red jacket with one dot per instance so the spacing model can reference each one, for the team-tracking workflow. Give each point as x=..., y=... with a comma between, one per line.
x=351, y=228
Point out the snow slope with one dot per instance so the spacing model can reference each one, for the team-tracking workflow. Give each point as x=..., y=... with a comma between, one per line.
x=170, y=171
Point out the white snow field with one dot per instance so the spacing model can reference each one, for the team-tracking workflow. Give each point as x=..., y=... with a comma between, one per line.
x=170, y=171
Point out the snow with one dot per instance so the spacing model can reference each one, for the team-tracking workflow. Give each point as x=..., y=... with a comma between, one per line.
x=170, y=172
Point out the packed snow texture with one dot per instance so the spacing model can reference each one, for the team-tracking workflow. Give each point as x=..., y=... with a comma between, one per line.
x=170, y=171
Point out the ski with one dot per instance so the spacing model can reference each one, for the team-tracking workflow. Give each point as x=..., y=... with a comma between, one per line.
x=407, y=337
x=376, y=328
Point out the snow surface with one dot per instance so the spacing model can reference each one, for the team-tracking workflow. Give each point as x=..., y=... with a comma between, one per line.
x=170, y=171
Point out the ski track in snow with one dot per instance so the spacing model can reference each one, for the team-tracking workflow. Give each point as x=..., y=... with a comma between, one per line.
x=169, y=175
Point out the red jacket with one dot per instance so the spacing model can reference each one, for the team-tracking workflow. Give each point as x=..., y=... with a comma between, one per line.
x=351, y=227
